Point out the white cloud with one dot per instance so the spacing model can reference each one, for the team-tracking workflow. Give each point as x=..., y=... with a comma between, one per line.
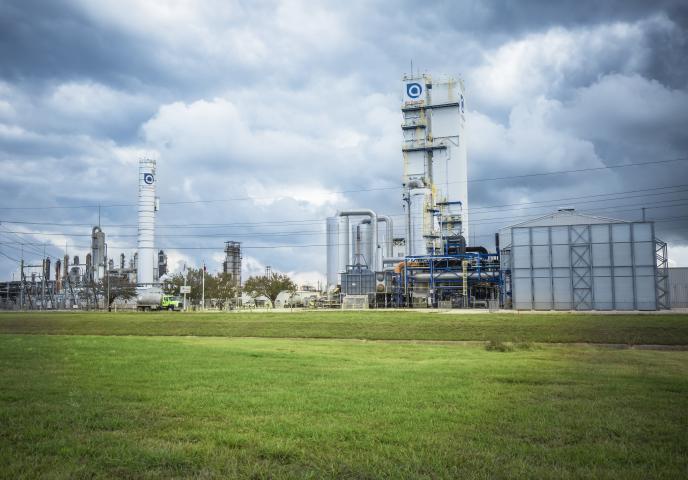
x=92, y=100
x=288, y=103
x=678, y=255
x=526, y=142
x=544, y=63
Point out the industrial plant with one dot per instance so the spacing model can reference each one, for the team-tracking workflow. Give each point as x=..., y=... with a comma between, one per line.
x=566, y=260
x=563, y=261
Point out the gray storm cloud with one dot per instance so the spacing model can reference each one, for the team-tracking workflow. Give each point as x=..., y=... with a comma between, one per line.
x=290, y=110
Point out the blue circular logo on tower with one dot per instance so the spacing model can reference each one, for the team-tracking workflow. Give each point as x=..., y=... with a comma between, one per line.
x=414, y=90
x=148, y=178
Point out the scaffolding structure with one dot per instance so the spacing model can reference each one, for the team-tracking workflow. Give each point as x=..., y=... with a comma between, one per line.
x=232, y=263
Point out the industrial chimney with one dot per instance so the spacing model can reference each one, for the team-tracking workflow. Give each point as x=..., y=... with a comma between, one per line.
x=147, y=209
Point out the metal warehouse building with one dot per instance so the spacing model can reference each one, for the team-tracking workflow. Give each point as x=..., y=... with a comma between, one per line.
x=678, y=287
x=572, y=261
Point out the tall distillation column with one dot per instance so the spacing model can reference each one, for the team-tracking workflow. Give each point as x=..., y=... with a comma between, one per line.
x=147, y=209
x=435, y=163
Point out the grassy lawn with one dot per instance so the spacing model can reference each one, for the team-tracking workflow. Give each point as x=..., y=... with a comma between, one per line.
x=567, y=328
x=96, y=395
x=164, y=407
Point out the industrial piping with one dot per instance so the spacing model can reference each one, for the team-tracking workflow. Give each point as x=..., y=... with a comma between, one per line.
x=389, y=233
x=373, y=231
x=389, y=228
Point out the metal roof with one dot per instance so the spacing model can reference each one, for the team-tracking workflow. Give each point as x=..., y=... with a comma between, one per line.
x=566, y=217
x=558, y=218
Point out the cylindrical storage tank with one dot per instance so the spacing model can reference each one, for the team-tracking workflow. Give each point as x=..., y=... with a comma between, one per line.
x=417, y=242
x=146, y=236
x=343, y=243
x=332, y=235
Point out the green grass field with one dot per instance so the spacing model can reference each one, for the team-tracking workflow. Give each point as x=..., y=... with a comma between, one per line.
x=371, y=325
x=134, y=396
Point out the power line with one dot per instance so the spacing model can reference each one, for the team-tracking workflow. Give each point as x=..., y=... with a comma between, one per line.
x=475, y=180
x=482, y=221
x=474, y=211
x=8, y=257
x=314, y=245
x=578, y=170
x=30, y=249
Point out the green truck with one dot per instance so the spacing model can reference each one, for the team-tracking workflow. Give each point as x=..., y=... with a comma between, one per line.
x=156, y=300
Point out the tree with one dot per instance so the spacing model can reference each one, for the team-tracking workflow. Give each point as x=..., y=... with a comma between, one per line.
x=193, y=280
x=223, y=288
x=172, y=283
x=120, y=287
x=219, y=287
x=270, y=286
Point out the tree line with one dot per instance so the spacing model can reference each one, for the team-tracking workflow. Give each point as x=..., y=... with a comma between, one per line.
x=222, y=289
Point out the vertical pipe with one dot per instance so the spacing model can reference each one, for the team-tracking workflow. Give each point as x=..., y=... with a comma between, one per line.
x=389, y=233
x=367, y=247
x=332, y=234
x=373, y=221
x=343, y=244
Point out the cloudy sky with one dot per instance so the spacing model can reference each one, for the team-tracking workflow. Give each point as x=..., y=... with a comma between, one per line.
x=266, y=117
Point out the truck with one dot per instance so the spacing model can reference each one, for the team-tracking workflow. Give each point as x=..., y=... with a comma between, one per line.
x=157, y=300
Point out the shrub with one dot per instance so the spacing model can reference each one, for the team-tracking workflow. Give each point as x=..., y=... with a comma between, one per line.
x=499, y=346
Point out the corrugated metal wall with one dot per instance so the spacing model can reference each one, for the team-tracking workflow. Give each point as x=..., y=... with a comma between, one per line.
x=358, y=282
x=678, y=287
x=584, y=267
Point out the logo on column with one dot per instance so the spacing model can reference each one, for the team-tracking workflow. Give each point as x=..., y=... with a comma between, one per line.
x=414, y=90
x=148, y=178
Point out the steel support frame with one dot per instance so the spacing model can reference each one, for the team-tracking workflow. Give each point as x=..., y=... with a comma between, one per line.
x=662, y=275
x=432, y=264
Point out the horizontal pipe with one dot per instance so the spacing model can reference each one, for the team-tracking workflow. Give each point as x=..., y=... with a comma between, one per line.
x=454, y=276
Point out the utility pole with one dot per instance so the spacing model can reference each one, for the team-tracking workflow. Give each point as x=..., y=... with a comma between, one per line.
x=643, y=214
x=185, y=274
x=107, y=268
x=43, y=280
x=7, y=301
x=21, y=277
x=43, y=284
x=203, y=288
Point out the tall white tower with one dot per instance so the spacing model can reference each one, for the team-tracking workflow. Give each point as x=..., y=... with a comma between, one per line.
x=147, y=209
x=435, y=164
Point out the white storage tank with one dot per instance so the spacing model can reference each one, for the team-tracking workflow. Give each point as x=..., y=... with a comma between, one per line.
x=420, y=221
x=332, y=235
